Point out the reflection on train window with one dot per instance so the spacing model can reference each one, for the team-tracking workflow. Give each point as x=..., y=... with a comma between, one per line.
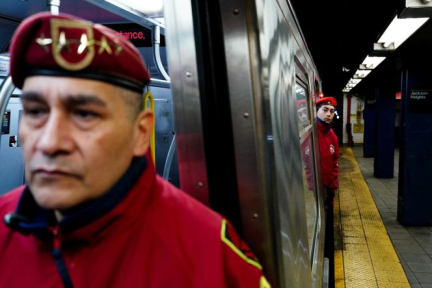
x=302, y=108
x=309, y=187
x=305, y=129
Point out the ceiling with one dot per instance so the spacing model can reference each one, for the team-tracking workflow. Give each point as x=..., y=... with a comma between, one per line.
x=340, y=33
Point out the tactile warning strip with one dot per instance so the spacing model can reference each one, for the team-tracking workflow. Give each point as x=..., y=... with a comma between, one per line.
x=366, y=257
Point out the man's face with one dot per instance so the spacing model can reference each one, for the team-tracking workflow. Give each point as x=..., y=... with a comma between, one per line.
x=78, y=138
x=302, y=115
x=326, y=113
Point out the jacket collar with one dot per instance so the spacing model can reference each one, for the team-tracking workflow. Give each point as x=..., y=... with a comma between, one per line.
x=323, y=126
x=30, y=218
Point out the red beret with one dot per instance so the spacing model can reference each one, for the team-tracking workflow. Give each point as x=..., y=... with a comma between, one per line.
x=301, y=103
x=63, y=45
x=327, y=101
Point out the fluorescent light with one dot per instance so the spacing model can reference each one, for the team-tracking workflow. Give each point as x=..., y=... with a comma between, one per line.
x=354, y=81
x=346, y=90
x=350, y=85
x=399, y=30
x=371, y=62
x=148, y=7
x=361, y=73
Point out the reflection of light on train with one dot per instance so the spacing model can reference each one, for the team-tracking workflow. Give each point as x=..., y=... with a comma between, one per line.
x=235, y=118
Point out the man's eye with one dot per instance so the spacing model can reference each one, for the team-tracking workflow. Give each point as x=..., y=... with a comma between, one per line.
x=35, y=112
x=85, y=114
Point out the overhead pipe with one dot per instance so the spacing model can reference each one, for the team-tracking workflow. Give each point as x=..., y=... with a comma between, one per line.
x=156, y=52
x=53, y=6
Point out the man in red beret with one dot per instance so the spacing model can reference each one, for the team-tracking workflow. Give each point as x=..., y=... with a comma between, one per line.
x=329, y=151
x=329, y=147
x=94, y=213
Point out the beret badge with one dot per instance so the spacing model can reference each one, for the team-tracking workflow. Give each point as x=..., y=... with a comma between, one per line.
x=73, y=44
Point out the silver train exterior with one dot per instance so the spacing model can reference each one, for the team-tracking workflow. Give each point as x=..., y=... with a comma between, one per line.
x=238, y=71
x=268, y=66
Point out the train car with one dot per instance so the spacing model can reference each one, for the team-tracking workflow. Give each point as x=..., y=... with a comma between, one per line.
x=234, y=85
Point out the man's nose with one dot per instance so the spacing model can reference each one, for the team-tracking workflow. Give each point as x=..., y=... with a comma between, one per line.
x=56, y=135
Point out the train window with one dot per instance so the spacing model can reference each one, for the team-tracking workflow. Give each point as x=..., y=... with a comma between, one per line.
x=304, y=120
x=305, y=129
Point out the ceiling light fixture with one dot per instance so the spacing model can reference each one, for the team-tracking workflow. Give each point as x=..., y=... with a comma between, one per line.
x=360, y=74
x=396, y=33
x=400, y=30
x=354, y=81
x=371, y=62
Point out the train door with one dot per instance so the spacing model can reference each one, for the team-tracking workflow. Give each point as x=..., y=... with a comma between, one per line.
x=311, y=188
x=234, y=82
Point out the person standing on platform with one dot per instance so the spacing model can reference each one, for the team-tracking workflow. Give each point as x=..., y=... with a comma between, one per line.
x=329, y=147
x=94, y=213
x=329, y=151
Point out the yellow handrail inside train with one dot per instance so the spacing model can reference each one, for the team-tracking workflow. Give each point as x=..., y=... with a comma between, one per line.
x=149, y=100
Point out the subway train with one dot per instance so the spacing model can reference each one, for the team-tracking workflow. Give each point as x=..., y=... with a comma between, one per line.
x=234, y=88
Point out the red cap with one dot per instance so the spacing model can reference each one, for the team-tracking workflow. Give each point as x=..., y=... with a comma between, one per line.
x=327, y=101
x=301, y=103
x=63, y=45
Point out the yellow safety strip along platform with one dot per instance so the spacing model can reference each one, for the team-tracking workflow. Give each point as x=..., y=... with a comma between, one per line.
x=364, y=254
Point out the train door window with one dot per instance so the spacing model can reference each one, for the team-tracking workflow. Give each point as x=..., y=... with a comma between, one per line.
x=302, y=109
x=305, y=130
x=6, y=123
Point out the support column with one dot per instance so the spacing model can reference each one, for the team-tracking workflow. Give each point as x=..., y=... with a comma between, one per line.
x=415, y=165
x=369, y=117
x=385, y=95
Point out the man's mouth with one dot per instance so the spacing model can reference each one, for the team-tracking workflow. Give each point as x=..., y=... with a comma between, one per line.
x=54, y=173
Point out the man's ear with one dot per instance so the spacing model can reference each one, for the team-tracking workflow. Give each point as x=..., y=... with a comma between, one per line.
x=144, y=125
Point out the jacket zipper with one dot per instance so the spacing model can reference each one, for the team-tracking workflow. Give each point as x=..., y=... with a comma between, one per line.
x=58, y=257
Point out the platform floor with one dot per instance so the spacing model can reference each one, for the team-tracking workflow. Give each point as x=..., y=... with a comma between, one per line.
x=365, y=256
x=413, y=244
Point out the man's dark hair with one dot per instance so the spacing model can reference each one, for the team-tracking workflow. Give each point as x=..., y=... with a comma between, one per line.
x=134, y=100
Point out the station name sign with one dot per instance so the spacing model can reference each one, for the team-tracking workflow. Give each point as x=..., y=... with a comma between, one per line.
x=131, y=35
x=420, y=101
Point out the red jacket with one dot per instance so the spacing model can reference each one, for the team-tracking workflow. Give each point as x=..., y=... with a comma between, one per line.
x=152, y=235
x=329, y=150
